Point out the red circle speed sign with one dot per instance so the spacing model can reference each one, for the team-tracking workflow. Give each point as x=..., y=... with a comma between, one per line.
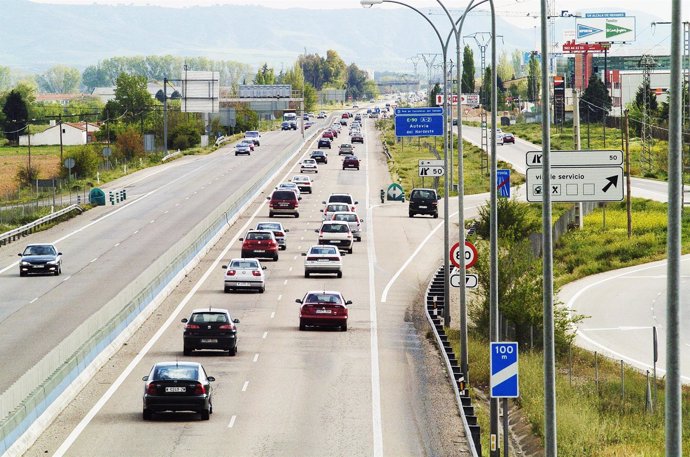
x=470, y=255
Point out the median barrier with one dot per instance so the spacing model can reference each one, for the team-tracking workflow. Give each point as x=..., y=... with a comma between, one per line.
x=61, y=373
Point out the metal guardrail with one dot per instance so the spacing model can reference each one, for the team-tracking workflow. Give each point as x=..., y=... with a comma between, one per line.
x=386, y=151
x=12, y=235
x=434, y=296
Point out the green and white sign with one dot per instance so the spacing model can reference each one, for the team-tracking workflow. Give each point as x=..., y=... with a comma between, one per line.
x=395, y=193
x=605, y=29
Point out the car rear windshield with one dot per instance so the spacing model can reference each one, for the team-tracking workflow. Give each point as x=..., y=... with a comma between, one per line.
x=268, y=226
x=284, y=195
x=340, y=199
x=175, y=372
x=345, y=217
x=334, y=208
x=323, y=298
x=209, y=317
x=251, y=134
x=423, y=195
x=258, y=236
x=335, y=228
x=244, y=264
x=323, y=250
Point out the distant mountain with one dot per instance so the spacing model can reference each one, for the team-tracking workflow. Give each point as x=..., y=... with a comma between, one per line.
x=35, y=36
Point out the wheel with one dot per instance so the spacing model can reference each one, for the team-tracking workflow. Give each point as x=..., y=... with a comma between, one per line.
x=270, y=214
x=359, y=238
x=344, y=327
x=275, y=257
x=411, y=215
x=301, y=171
x=306, y=274
x=232, y=351
x=349, y=251
x=297, y=215
x=302, y=326
x=22, y=273
x=316, y=171
x=236, y=154
x=226, y=289
x=325, y=162
x=147, y=415
x=340, y=274
x=435, y=215
x=187, y=351
x=58, y=272
x=262, y=290
x=205, y=414
x=343, y=168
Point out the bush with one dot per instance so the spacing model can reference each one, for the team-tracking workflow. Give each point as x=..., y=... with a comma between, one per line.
x=26, y=176
x=186, y=134
x=86, y=160
x=129, y=144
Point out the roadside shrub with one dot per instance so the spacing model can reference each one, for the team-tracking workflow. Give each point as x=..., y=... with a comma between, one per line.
x=26, y=176
x=86, y=160
x=129, y=144
x=186, y=134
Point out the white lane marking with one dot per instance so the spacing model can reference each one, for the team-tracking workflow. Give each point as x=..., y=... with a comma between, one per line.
x=279, y=297
x=81, y=426
x=265, y=335
x=256, y=357
x=94, y=259
x=232, y=421
x=273, y=314
x=290, y=269
x=165, y=212
x=153, y=221
x=301, y=239
x=384, y=295
x=285, y=282
x=136, y=231
x=294, y=258
x=116, y=244
x=66, y=279
x=375, y=371
x=607, y=329
x=34, y=300
x=244, y=387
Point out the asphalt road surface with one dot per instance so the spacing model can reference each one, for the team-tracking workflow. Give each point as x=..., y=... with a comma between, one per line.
x=377, y=389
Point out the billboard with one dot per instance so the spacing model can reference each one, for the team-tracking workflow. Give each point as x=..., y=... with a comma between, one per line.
x=200, y=91
x=265, y=91
x=605, y=29
x=467, y=99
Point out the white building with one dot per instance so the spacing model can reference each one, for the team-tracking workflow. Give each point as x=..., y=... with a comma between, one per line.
x=73, y=134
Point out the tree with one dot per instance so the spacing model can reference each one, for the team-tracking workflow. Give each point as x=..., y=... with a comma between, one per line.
x=5, y=78
x=639, y=98
x=16, y=113
x=336, y=69
x=132, y=98
x=595, y=102
x=533, y=78
x=485, y=93
x=86, y=160
x=436, y=90
x=265, y=76
x=468, y=71
x=516, y=61
x=505, y=68
x=60, y=79
x=129, y=144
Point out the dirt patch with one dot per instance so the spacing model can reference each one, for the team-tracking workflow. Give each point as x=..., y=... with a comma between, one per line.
x=47, y=166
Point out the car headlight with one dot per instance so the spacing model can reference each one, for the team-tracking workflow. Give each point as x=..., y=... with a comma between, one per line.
x=52, y=262
x=25, y=263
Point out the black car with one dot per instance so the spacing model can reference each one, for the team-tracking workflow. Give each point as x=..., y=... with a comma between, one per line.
x=210, y=328
x=357, y=138
x=178, y=386
x=324, y=143
x=40, y=258
x=319, y=156
x=286, y=126
x=350, y=161
x=423, y=201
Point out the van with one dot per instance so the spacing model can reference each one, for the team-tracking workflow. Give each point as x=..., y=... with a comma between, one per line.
x=283, y=202
x=423, y=201
x=253, y=135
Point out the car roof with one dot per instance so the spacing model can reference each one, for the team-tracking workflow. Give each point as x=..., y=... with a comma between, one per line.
x=323, y=292
x=210, y=310
x=40, y=244
x=177, y=363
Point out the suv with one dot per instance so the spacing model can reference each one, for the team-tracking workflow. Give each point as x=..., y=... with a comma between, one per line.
x=283, y=202
x=254, y=136
x=423, y=201
x=342, y=198
x=210, y=328
x=336, y=233
x=259, y=244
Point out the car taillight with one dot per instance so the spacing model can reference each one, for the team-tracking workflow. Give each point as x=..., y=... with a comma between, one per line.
x=199, y=389
x=434, y=203
x=352, y=209
x=312, y=259
x=151, y=389
x=334, y=259
x=231, y=273
x=279, y=234
x=227, y=327
x=271, y=203
x=256, y=273
x=191, y=327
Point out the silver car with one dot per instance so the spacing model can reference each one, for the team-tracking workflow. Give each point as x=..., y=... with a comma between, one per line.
x=278, y=231
x=323, y=259
x=244, y=274
x=352, y=219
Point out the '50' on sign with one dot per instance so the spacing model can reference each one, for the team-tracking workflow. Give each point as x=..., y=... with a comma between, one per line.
x=470, y=254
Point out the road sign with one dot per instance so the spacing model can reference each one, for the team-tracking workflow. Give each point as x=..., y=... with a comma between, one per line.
x=611, y=29
x=577, y=184
x=504, y=370
x=470, y=254
x=395, y=193
x=433, y=168
x=471, y=281
x=618, y=14
x=503, y=183
x=419, y=122
x=465, y=99
x=69, y=163
x=576, y=158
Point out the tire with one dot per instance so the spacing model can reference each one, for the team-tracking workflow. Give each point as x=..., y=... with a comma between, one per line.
x=343, y=168
x=302, y=327
x=262, y=290
x=205, y=414
x=59, y=270
x=187, y=351
x=344, y=327
x=411, y=215
x=297, y=215
x=270, y=214
x=359, y=238
x=147, y=415
x=349, y=251
x=22, y=273
x=232, y=352
x=226, y=289
x=275, y=257
x=435, y=215
x=306, y=274
x=340, y=274
x=236, y=154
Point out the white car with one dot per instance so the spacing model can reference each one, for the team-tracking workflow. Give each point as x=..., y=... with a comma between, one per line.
x=343, y=198
x=323, y=259
x=353, y=220
x=336, y=234
x=308, y=165
x=244, y=274
x=333, y=208
x=289, y=186
x=304, y=183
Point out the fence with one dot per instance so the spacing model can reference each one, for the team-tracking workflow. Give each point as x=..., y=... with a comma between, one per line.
x=561, y=226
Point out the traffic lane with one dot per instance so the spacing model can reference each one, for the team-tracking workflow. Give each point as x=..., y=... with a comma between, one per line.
x=88, y=278
x=622, y=307
x=285, y=326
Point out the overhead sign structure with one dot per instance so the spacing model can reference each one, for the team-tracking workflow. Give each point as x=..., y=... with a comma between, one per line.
x=503, y=182
x=504, y=370
x=471, y=281
x=470, y=255
x=577, y=184
x=605, y=29
x=433, y=168
x=419, y=121
x=395, y=193
x=465, y=99
x=576, y=158
x=200, y=91
x=571, y=47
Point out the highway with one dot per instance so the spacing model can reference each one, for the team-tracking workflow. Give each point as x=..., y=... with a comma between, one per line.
x=377, y=389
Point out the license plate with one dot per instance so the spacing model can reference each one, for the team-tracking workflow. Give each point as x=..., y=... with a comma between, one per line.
x=323, y=260
x=259, y=250
x=323, y=311
x=334, y=241
x=39, y=266
x=284, y=205
x=242, y=284
x=422, y=207
x=176, y=389
x=209, y=340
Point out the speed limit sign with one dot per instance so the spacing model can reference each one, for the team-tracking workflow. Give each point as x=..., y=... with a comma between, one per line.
x=470, y=254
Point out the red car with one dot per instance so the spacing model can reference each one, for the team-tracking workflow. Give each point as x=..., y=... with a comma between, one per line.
x=283, y=202
x=259, y=244
x=350, y=161
x=508, y=138
x=327, y=134
x=323, y=308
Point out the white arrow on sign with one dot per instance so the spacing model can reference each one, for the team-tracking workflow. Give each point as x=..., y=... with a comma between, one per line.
x=431, y=171
x=471, y=281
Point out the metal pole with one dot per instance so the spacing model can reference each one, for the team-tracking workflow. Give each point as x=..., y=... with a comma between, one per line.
x=578, y=146
x=60, y=121
x=628, y=184
x=673, y=413
x=165, y=116
x=506, y=435
x=446, y=191
x=550, y=429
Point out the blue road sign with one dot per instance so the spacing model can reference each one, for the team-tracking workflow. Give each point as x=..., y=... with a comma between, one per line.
x=503, y=183
x=419, y=122
x=584, y=31
x=504, y=370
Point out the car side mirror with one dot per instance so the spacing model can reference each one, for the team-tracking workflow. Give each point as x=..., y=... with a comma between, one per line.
x=361, y=220
x=184, y=320
x=287, y=230
x=224, y=267
x=235, y=321
x=145, y=378
x=316, y=231
x=304, y=254
x=299, y=300
x=21, y=255
x=349, y=302
x=268, y=198
x=319, y=210
x=241, y=239
x=210, y=378
x=356, y=203
x=263, y=267
x=299, y=198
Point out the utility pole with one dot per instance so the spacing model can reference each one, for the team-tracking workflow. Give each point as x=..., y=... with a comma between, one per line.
x=647, y=63
x=165, y=116
x=578, y=145
x=628, y=204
